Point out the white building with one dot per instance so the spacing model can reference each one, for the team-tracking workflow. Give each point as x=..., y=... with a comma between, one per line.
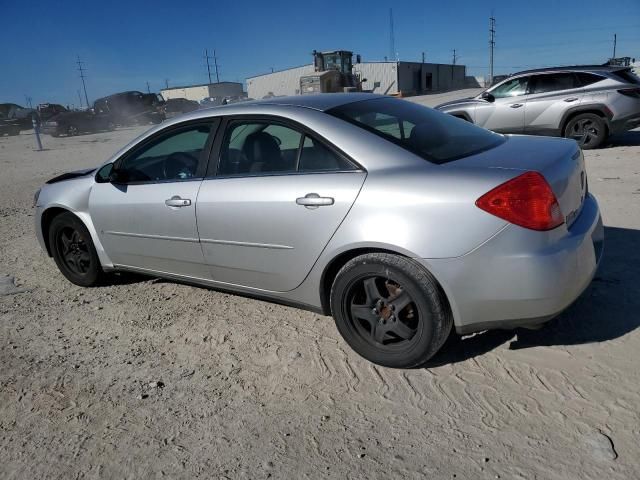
x=205, y=90
x=389, y=78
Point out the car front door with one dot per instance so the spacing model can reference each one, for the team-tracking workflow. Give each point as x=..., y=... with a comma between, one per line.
x=503, y=110
x=144, y=209
x=277, y=197
x=550, y=96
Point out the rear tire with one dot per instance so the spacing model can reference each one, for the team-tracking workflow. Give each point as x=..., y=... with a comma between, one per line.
x=72, y=131
x=74, y=252
x=390, y=310
x=588, y=129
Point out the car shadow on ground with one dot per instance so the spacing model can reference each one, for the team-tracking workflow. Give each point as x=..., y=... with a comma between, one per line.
x=626, y=139
x=607, y=310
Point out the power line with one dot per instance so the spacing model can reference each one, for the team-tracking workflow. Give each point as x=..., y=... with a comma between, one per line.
x=81, y=69
x=492, y=44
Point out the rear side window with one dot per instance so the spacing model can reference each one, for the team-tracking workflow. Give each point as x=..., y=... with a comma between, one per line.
x=585, y=78
x=553, y=82
x=265, y=148
x=435, y=136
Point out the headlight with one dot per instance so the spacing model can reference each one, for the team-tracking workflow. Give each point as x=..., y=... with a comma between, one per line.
x=36, y=196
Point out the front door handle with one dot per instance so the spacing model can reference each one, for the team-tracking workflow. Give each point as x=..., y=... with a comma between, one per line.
x=176, y=201
x=313, y=200
x=516, y=105
x=571, y=99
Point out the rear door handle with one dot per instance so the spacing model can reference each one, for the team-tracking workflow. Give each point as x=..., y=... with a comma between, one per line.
x=176, y=201
x=515, y=105
x=571, y=99
x=313, y=200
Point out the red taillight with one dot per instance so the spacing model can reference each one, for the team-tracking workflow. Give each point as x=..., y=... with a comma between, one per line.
x=526, y=200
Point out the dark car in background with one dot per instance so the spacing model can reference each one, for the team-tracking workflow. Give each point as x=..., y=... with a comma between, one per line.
x=14, y=118
x=178, y=106
x=120, y=109
x=49, y=110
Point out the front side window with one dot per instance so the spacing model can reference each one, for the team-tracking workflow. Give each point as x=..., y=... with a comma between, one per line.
x=175, y=156
x=435, y=136
x=553, y=82
x=267, y=148
x=511, y=88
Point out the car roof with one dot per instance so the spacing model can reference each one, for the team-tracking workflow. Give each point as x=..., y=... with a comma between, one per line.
x=573, y=68
x=321, y=101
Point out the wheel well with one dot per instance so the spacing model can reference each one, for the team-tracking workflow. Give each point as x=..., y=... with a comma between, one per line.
x=331, y=270
x=47, y=217
x=580, y=112
x=462, y=116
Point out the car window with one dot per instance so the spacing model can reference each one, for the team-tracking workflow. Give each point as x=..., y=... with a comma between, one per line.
x=511, y=88
x=585, y=78
x=258, y=148
x=435, y=136
x=174, y=156
x=316, y=157
x=553, y=82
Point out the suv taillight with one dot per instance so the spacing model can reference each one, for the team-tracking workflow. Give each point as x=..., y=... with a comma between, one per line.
x=526, y=200
x=630, y=92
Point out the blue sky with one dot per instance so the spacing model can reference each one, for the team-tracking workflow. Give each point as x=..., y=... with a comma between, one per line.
x=126, y=44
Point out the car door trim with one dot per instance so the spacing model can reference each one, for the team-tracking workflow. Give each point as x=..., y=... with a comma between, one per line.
x=151, y=236
x=246, y=244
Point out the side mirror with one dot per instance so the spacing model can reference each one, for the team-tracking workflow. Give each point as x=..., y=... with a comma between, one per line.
x=488, y=97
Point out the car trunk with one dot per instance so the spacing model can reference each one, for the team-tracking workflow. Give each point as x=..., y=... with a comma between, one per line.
x=560, y=161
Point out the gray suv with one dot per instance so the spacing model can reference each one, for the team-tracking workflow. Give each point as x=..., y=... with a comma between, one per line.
x=587, y=103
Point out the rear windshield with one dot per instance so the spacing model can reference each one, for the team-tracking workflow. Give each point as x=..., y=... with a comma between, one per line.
x=435, y=136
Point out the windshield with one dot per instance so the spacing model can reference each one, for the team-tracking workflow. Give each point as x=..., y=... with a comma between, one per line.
x=435, y=136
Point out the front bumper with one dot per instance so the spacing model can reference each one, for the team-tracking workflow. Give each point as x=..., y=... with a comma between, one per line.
x=521, y=277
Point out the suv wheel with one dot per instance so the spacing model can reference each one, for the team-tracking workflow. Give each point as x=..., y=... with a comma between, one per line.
x=588, y=129
x=72, y=130
x=390, y=310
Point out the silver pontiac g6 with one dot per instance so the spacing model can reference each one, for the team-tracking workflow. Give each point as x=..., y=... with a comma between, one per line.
x=399, y=221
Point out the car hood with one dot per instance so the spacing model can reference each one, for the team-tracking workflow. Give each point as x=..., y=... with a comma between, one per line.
x=70, y=175
x=459, y=102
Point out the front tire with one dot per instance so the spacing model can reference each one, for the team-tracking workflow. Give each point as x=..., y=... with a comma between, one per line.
x=588, y=129
x=390, y=310
x=74, y=252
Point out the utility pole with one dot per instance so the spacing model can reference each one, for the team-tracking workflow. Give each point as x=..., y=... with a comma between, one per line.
x=166, y=83
x=615, y=40
x=207, y=57
x=455, y=57
x=81, y=69
x=80, y=98
x=148, y=88
x=215, y=62
x=28, y=101
x=392, y=39
x=422, y=57
x=492, y=44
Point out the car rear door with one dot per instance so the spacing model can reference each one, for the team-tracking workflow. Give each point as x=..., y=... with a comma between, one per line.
x=505, y=112
x=275, y=196
x=146, y=216
x=550, y=96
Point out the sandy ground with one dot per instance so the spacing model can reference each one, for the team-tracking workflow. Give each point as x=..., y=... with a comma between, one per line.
x=148, y=378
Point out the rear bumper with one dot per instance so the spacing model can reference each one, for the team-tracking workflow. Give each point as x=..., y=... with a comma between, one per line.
x=521, y=277
x=625, y=124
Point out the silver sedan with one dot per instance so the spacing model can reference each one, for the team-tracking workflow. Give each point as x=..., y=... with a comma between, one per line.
x=401, y=222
